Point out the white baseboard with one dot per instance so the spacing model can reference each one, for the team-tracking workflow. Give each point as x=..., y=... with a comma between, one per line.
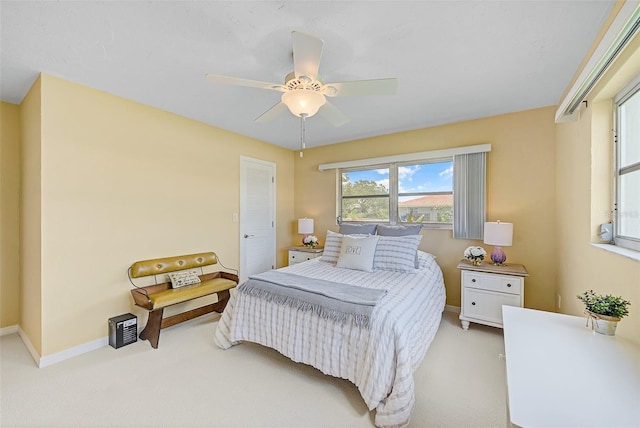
x=8, y=330
x=29, y=345
x=449, y=308
x=73, y=352
x=62, y=355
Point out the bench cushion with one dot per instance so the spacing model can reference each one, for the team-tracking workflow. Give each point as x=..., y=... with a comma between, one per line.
x=172, y=296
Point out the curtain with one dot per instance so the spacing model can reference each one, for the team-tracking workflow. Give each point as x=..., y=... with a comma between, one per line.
x=469, y=195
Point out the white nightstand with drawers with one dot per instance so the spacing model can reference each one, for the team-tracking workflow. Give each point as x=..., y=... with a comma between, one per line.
x=302, y=254
x=485, y=288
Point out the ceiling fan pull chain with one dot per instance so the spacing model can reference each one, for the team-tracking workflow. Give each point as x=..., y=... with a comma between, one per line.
x=302, y=133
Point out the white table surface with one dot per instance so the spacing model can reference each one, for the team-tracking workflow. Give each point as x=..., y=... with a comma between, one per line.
x=561, y=374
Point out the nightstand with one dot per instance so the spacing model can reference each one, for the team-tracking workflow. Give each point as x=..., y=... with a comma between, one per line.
x=302, y=254
x=485, y=288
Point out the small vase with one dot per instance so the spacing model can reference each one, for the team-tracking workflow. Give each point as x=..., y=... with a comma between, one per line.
x=476, y=262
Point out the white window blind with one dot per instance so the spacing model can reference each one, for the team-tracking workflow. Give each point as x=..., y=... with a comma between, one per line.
x=469, y=195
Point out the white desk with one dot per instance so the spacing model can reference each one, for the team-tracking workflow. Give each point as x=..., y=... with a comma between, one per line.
x=561, y=374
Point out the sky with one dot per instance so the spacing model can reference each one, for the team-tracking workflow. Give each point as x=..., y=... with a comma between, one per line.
x=429, y=177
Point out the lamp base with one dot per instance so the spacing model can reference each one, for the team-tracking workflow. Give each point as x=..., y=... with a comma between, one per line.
x=498, y=256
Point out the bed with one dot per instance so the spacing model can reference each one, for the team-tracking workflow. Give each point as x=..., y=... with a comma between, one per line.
x=379, y=355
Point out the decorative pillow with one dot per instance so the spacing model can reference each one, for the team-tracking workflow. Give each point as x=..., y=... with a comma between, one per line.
x=332, y=245
x=357, y=252
x=358, y=229
x=385, y=230
x=180, y=279
x=397, y=253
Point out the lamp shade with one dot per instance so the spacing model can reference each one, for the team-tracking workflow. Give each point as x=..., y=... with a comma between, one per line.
x=303, y=101
x=498, y=233
x=305, y=226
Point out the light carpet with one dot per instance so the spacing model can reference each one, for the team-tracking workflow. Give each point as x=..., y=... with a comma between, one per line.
x=189, y=382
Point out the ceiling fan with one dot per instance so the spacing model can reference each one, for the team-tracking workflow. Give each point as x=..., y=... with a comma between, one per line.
x=304, y=93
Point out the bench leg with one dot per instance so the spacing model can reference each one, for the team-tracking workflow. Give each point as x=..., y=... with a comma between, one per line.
x=151, y=331
x=223, y=299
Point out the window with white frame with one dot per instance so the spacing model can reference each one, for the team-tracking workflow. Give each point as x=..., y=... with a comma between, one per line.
x=407, y=192
x=627, y=167
x=438, y=189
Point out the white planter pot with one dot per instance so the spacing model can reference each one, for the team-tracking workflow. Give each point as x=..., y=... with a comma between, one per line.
x=603, y=324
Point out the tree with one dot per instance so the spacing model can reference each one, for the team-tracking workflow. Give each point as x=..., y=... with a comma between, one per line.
x=371, y=203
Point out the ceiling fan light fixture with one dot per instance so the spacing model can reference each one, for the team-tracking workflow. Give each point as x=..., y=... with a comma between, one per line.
x=303, y=101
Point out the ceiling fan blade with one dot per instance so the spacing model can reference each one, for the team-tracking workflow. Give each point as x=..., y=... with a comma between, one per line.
x=244, y=82
x=333, y=114
x=362, y=87
x=272, y=113
x=307, y=51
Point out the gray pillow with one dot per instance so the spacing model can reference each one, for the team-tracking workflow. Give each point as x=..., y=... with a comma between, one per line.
x=384, y=230
x=358, y=229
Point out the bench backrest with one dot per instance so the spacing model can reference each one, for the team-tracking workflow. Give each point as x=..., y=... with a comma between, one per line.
x=172, y=264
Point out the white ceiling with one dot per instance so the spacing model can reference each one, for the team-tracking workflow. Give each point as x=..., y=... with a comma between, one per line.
x=454, y=60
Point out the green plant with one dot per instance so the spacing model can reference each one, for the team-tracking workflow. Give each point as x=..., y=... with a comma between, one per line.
x=608, y=305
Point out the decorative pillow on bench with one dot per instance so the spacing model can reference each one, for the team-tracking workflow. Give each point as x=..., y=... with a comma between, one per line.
x=180, y=279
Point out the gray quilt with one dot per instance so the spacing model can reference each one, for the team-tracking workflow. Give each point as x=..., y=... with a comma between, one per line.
x=330, y=300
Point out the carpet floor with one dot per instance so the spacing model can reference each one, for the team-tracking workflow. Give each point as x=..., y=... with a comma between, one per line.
x=189, y=382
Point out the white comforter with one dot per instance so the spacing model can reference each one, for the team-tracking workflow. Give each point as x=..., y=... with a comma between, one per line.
x=380, y=361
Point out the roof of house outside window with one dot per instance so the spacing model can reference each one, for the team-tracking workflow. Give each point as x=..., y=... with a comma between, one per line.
x=428, y=201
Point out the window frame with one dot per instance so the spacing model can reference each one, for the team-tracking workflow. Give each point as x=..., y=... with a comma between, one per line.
x=394, y=191
x=631, y=90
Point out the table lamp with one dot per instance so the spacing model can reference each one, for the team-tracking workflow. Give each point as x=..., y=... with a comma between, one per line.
x=305, y=227
x=501, y=235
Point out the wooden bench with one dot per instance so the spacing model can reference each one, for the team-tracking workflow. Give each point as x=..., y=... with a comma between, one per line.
x=158, y=296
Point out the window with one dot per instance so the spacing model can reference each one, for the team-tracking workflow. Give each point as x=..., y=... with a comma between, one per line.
x=438, y=189
x=365, y=194
x=415, y=192
x=627, y=176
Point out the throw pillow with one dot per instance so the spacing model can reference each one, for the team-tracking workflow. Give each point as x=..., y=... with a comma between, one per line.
x=180, y=279
x=357, y=252
x=385, y=230
x=332, y=245
x=358, y=229
x=397, y=253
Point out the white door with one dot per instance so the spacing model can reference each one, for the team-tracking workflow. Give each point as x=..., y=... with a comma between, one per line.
x=257, y=216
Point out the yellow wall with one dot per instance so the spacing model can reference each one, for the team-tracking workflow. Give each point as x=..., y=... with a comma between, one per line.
x=123, y=182
x=9, y=214
x=583, y=188
x=520, y=189
x=31, y=215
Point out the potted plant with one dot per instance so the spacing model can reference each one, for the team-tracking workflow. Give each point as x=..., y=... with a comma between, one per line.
x=604, y=311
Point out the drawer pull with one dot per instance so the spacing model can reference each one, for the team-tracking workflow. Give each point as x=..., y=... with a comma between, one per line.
x=473, y=303
x=508, y=285
x=473, y=280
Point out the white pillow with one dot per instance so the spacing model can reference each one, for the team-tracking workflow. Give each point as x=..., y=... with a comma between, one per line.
x=357, y=252
x=397, y=253
x=332, y=245
x=180, y=279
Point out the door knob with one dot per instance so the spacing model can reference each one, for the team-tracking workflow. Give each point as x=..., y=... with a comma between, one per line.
x=248, y=236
